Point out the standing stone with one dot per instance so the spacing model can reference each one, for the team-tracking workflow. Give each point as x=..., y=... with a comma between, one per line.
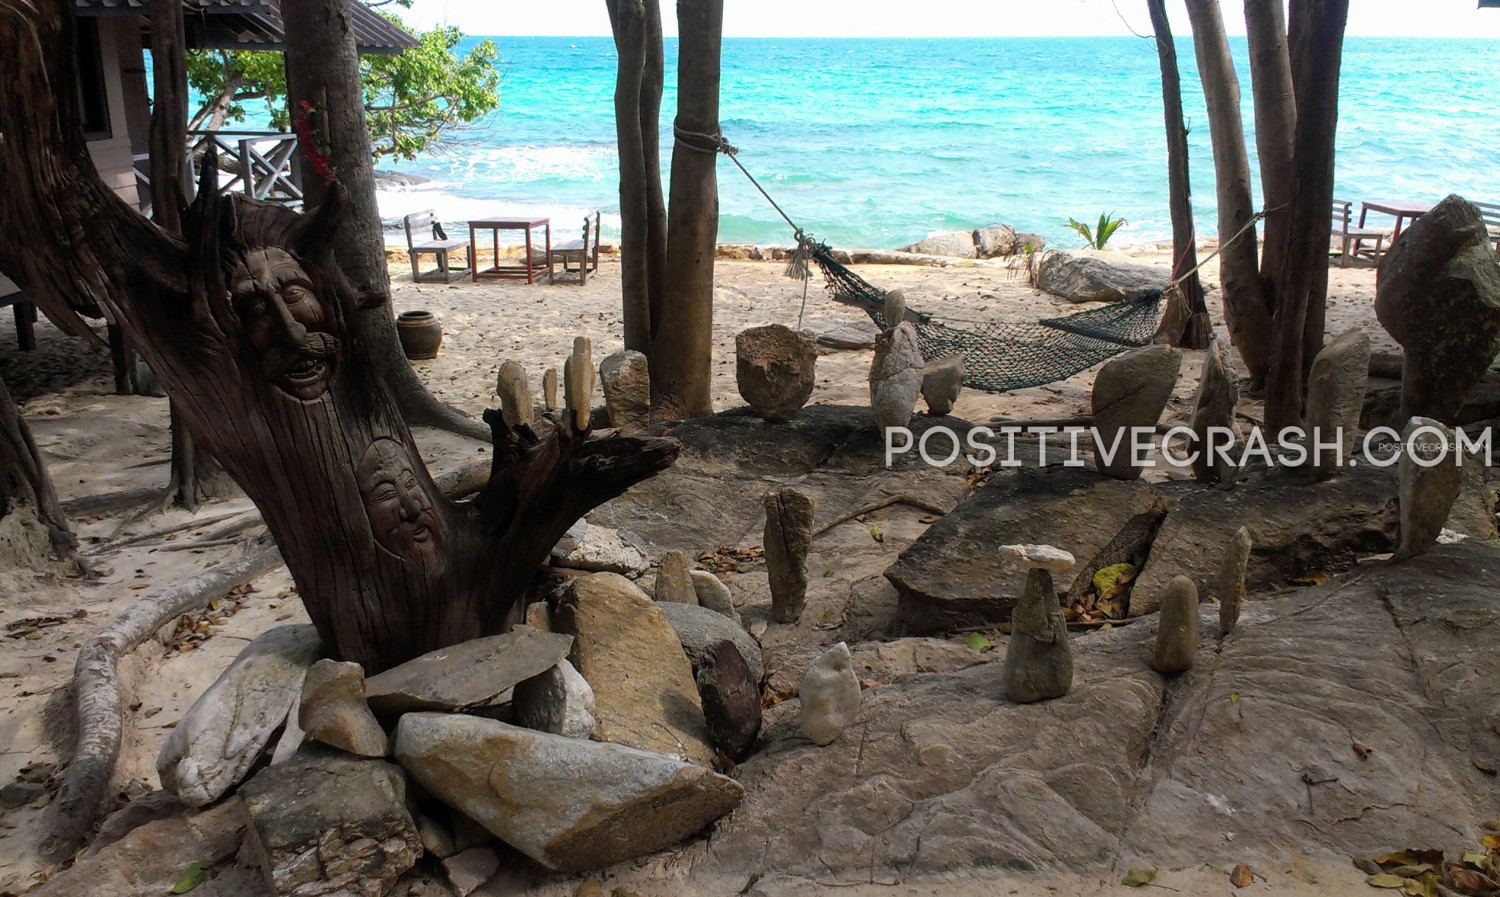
x=941, y=382
x=895, y=308
x=1335, y=398
x=1438, y=294
x=788, y=536
x=644, y=694
x=227, y=730
x=674, y=581
x=830, y=695
x=775, y=369
x=549, y=389
x=895, y=376
x=730, y=691
x=515, y=394
x=335, y=712
x=578, y=382
x=1130, y=392
x=326, y=823
x=1177, y=627
x=713, y=594
x=1427, y=493
x=570, y=804
x=559, y=701
x=1038, y=660
x=1213, y=419
x=627, y=391
x=1231, y=580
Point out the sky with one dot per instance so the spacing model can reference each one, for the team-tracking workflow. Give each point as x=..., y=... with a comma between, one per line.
x=936, y=18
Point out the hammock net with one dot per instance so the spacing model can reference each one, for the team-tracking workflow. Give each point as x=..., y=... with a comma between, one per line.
x=1003, y=356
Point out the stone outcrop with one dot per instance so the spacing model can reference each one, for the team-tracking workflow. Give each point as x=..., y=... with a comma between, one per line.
x=1090, y=276
x=957, y=244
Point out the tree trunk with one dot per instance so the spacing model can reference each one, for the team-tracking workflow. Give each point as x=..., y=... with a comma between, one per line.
x=1246, y=308
x=653, y=80
x=25, y=488
x=250, y=327
x=1275, y=124
x=681, y=352
x=1302, y=283
x=1198, y=329
x=322, y=69
x=627, y=19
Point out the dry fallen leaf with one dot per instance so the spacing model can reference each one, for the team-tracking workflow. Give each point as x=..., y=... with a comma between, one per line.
x=1241, y=876
x=1385, y=880
x=1361, y=751
x=1137, y=877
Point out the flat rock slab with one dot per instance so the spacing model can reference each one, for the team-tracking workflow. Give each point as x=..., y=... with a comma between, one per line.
x=740, y=439
x=1089, y=276
x=940, y=773
x=473, y=674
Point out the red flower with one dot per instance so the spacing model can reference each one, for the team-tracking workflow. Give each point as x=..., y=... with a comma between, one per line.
x=312, y=141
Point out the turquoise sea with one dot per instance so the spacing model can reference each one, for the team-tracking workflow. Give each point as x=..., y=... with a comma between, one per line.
x=878, y=142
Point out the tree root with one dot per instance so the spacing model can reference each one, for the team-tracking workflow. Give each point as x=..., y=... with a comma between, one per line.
x=98, y=702
x=902, y=499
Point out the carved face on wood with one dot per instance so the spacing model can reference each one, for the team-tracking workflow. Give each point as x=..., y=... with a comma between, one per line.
x=285, y=321
x=402, y=515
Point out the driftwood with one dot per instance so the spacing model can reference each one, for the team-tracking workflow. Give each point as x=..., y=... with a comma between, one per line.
x=98, y=702
x=902, y=499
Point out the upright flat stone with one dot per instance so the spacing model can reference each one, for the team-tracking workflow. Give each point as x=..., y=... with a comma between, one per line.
x=895, y=376
x=1335, y=398
x=1177, y=629
x=829, y=694
x=474, y=674
x=674, y=580
x=775, y=370
x=787, y=539
x=644, y=695
x=942, y=381
x=229, y=726
x=570, y=805
x=335, y=711
x=1230, y=585
x=730, y=691
x=1430, y=473
x=515, y=394
x=627, y=391
x=1038, y=659
x=1130, y=393
x=1213, y=419
x=326, y=824
x=713, y=594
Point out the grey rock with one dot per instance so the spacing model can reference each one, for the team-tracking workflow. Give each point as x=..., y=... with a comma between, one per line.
x=1230, y=585
x=1130, y=393
x=996, y=241
x=1177, y=630
x=601, y=549
x=787, y=539
x=515, y=394
x=474, y=674
x=230, y=726
x=1032, y=243
x=1336, y=396
x=330, y=824
x=627, y=391
x=571, y=805
x=775, y=370
x=713, y=594
x=945, y=243
x=1438, y=294
x=942, y=380
x=1429, y=486
x=467, y=871
x=19, y=794
x=559, y=701
x=895, y=376
x=578, y=381
x=674, y=580
x=699, y=628
x=1090, y=276
x=830, y=695
x=1038, y=660
x=1213, y=419
x=730, y=691
x=334, y=710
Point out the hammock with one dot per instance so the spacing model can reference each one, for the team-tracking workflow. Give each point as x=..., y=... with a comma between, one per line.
x=999, y=357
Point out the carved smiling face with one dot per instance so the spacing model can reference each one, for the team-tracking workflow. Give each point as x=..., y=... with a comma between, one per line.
x=402, y=515
x=285, y=322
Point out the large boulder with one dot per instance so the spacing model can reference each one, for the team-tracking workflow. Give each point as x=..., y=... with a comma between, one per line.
x=996, y=241
x=569, y=804
x=1091, y=276
x=471, y=675
x=1130, y=393
x=326, y=823
x=1438, y=294
x=644, y=694
x=627, y=391
x=946, y=243
x=775, y=369
x=229, y=728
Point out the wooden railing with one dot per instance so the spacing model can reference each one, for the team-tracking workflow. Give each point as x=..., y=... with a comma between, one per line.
x=261, y=164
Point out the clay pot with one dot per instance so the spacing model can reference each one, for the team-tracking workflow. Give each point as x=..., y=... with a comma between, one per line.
x=421, y=333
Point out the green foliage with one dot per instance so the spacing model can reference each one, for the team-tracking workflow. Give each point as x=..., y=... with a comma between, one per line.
x=412, y=100
x=1097, y=237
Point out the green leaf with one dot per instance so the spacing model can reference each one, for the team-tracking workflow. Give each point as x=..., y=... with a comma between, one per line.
x=1234, y=697
x=1138, y=877
x=977, y=642
x=194, y=876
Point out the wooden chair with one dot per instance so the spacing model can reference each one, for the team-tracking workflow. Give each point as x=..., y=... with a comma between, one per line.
x=1491, y=214
x=1348, y=233
x=425, y=236
x=585, y=252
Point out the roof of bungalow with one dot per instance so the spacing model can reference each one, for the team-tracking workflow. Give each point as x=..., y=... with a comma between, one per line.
x=255, y=24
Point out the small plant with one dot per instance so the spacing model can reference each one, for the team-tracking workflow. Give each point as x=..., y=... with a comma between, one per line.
x=1097, y=237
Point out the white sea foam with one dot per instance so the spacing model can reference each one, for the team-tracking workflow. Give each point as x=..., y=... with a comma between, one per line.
x=455, y=211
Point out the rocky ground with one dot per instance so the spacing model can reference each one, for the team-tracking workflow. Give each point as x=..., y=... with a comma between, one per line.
x=1353, y=710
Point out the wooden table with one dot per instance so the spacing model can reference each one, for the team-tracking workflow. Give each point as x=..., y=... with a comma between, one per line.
x=1401, y=210
x=529, y=266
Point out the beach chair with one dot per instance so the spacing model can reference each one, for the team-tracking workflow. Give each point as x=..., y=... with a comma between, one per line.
x=1349, y=234
x=1490, y=212
x=585, y=251
x=425, y=236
